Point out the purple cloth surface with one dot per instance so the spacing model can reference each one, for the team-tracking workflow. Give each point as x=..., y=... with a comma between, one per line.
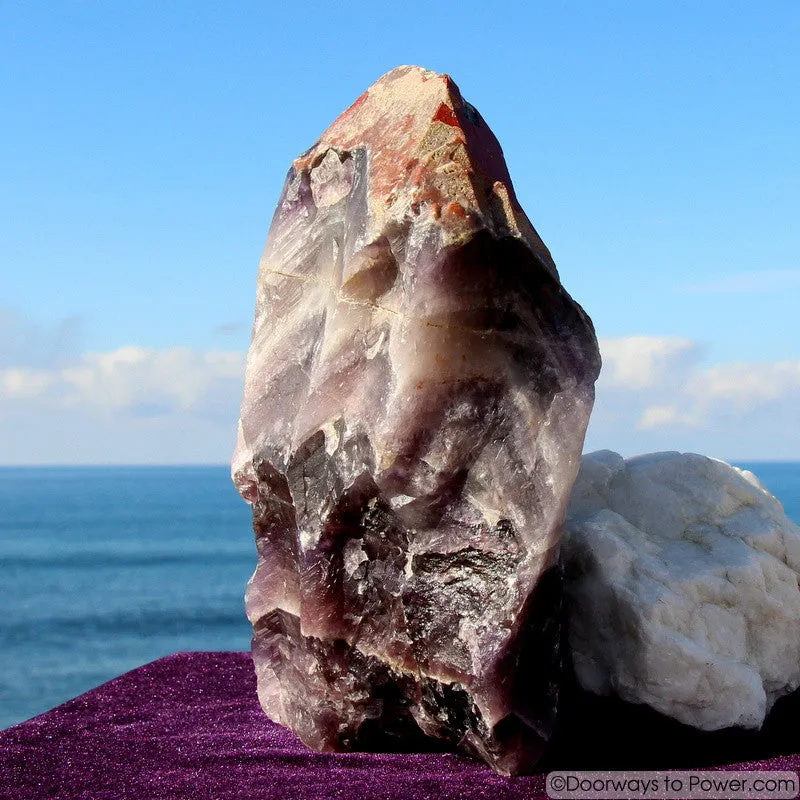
x=189, y=726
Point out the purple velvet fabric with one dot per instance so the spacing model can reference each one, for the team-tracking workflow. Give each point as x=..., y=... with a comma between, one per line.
x=189, y=726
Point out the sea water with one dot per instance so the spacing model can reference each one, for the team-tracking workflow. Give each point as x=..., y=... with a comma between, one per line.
x=105, y=569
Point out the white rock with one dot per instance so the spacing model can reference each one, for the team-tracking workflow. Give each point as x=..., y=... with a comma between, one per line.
x=683, y=581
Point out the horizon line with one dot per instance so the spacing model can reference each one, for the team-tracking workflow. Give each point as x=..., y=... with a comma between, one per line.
x=197, y=464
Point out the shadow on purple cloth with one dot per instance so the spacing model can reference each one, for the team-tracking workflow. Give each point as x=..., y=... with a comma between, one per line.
x=189, y=726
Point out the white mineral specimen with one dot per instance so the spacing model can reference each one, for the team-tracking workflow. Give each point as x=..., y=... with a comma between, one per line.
x=683, y=581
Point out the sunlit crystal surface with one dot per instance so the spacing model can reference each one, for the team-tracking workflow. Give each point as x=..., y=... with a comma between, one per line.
x=417, y=393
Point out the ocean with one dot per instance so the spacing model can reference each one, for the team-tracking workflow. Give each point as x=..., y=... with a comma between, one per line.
x=103, y=569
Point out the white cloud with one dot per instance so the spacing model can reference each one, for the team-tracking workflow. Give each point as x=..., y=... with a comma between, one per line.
x=636, y=362
x=130, y=405
x=178, y=405
x=667, y=379
x=655, y=393
x=24, y=383
x=745, y=387
x=136, y=380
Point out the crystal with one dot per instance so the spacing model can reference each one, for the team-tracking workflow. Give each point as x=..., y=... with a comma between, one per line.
x=417, y=392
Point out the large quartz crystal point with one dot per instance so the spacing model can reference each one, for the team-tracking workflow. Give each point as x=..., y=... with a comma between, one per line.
x=417, y=392
x=683, y=581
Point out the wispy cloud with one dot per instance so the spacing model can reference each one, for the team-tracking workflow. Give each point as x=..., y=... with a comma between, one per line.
x=660, y=416
x=228, y=328
x=748, y=282
x=27, y=343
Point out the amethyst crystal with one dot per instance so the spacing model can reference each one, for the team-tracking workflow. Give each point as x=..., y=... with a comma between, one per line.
x=417, y=393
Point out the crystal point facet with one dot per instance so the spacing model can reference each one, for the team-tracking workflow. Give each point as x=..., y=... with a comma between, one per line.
x=417, y=392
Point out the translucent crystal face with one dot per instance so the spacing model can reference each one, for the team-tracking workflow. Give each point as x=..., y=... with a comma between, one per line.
x=417, y=392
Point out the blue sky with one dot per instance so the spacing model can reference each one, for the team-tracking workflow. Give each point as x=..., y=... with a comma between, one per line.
x=654, y=146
